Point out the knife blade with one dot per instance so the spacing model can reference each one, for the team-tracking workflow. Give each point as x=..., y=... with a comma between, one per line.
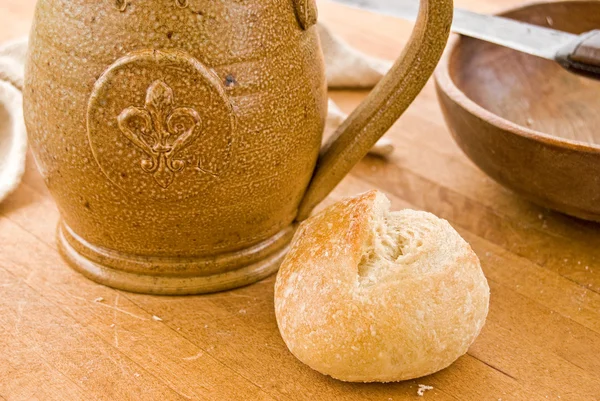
x=577, y=53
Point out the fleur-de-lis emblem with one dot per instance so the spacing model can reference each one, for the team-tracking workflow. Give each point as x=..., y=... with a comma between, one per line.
x=161, y=131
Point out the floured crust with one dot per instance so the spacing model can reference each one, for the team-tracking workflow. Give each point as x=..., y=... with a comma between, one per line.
x=371, y=295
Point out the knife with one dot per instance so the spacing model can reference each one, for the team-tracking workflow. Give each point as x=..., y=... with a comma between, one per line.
x=576, y=53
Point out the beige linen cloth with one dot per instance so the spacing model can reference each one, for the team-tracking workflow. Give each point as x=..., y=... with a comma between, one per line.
x=346, y=68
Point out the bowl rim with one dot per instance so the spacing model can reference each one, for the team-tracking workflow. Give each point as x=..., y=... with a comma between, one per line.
x=447, y=85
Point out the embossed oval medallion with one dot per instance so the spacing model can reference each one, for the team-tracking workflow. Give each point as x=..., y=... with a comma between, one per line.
x=160, y=125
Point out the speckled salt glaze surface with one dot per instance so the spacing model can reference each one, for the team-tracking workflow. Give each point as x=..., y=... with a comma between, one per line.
x=180, y=138
x=345, y=67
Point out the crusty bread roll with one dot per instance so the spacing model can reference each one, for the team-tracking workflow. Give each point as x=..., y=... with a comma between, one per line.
x=370, y=295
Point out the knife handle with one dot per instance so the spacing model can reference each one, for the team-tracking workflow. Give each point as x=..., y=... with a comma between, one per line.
x=582, y=56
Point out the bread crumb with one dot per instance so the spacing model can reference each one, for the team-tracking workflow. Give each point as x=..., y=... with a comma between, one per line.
x=242, y=311
x=540, y=216
x=587, y=268
x=136, y=374
x=422, y=389
x=530, y=121
x=550, y=22
x=112, y=325
x=156, y=318
x=206, y=326
x=99, y=299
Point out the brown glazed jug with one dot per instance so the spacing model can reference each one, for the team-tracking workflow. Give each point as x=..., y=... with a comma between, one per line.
x=181, y=139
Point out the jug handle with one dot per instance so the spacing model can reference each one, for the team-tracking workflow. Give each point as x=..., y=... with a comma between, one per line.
x=384, y=105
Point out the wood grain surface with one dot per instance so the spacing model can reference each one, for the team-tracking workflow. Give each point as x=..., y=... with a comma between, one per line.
x=64, y=337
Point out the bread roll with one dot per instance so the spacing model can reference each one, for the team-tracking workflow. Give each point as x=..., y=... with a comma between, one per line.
x=369, y=295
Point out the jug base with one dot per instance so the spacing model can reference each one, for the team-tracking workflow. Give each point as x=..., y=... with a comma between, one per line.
x=231, y=270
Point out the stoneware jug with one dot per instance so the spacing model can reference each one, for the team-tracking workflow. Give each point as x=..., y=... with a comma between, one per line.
x=181, y=139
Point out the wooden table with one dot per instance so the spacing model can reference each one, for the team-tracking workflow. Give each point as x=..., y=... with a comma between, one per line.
x=63, y=337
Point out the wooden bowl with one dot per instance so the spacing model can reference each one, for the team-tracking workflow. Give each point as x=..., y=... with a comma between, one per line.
x=526, y=122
